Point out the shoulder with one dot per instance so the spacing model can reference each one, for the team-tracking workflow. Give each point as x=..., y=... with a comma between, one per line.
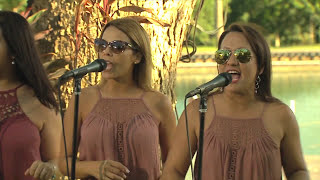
x=88, y=98
x=90, y=91
x=280, y=109
x=34, y=109
x=158, y=103
x=281, y=113
x=87, y=95
x=194, y=103
x=157, y=100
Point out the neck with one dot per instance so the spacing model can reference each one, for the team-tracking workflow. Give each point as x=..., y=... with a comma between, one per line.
x=8, y=79
x=114, y=88
x=6, y=84
x=241, y=100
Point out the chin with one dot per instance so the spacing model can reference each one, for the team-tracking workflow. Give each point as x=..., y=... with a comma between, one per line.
x=107, y=76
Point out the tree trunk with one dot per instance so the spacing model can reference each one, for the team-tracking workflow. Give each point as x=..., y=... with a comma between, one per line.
x=277, y=40
x=59, y=19
x=312, y=33
x=219, y=17
x=166, y=42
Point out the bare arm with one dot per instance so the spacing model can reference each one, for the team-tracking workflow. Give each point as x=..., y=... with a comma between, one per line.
x=291, y=151
x=49, y=125
x=164, y=112
x=178, y=160
x=49, y=148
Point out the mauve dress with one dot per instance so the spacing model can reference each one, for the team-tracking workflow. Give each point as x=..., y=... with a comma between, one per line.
x=239, y=149
x=122, y=130
x=19, y=138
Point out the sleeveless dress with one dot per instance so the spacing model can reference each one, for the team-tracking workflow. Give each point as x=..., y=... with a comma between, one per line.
x=239, y=149
x=122, y=130
x=19, y=138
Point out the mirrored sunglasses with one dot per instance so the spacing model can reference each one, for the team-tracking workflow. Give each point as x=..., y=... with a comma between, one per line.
x=115, y=46
x=243, y=55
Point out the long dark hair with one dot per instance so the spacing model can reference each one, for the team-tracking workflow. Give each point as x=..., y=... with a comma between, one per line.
x=261, y=49
x=21, y=45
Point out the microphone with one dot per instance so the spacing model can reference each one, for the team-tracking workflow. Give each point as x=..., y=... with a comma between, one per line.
x=223, y=79
x=97, y=65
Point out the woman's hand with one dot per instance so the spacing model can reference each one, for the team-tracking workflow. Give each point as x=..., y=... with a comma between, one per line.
x=41, y=170
x=112, y=170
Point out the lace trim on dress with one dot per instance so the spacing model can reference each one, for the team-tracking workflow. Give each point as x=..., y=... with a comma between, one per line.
x=9, y=104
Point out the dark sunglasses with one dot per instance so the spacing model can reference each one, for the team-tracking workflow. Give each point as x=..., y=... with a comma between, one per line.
x=242, y=55
x=116, y=46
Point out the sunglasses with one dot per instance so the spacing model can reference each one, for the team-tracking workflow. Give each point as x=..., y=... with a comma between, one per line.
x=223, y=55
x=116, y=46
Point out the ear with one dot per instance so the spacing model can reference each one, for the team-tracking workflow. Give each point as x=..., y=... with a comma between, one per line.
x=261, y=70
x=138, y=57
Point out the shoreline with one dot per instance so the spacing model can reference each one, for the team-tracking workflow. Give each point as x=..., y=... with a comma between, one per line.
x=274, y=64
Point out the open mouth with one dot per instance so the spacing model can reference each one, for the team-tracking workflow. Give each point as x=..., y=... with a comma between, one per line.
x=109, y=65
x=235, y=75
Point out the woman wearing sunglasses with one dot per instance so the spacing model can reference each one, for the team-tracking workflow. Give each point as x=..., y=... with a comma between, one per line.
x=122, y=120
x=249, y=134
x=30, y=126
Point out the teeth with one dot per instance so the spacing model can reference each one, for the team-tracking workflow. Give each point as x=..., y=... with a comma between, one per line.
x=233, y=72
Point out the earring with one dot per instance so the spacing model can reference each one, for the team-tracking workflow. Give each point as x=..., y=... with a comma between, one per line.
x=12, y=62
x=135, y=62
x=258, y=80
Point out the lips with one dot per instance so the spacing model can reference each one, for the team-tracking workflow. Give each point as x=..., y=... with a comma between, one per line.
x=235, y=75
x=109, y=66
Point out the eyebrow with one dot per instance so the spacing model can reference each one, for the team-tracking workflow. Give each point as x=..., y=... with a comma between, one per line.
x=228, y=48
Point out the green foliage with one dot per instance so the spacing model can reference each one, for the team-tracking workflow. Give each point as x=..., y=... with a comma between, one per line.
x=290, y=19
x=206, y=24
x=33, y=18
x=10, y=5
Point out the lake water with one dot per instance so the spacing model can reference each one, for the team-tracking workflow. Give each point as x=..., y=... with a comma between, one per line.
x=297, y=86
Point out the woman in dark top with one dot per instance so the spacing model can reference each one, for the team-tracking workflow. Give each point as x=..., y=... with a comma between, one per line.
x=29, y=124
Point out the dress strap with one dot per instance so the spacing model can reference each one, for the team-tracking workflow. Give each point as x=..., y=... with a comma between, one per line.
x=19, y=86
x=99, y=92
x=263, y=109
x=214, y=107
x=13, y=89
x=142, y=95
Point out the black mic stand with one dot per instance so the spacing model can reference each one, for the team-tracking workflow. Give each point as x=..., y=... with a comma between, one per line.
x=202, y=110
x=77, y=91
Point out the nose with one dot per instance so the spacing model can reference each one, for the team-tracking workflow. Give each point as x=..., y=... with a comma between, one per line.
x=107, y=51
x=232, y=60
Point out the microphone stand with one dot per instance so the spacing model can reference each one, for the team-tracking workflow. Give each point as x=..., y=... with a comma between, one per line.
x=202, y=110
x=77, y=91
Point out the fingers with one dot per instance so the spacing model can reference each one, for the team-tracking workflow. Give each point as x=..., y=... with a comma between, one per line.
x=31, y=170
x=43, y=174
x=117, y=165
x=38, y=170
x=41, y=170
x=114, y=170
x=114, y=173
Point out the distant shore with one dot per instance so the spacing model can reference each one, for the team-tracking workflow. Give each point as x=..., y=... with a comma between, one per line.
x=274, y=63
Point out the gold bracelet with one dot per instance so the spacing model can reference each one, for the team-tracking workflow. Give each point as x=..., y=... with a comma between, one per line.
x=54, y=167
x=101, y=170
